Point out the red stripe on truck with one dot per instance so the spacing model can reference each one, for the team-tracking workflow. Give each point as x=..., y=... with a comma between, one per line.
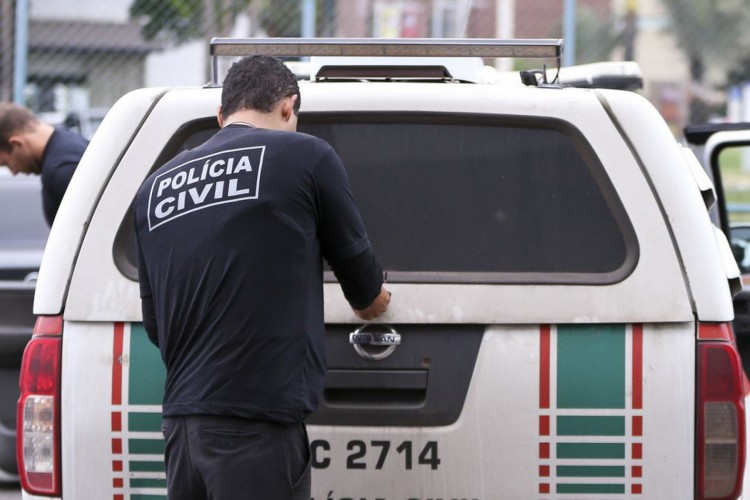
x=637, y=367
x=117, y=364
x=544, y=354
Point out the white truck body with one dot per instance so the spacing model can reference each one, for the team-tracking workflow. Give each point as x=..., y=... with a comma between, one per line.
x=567, y=385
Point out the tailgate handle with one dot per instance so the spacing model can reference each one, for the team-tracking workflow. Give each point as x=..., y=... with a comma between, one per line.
x=375, y=389
x=377, y=379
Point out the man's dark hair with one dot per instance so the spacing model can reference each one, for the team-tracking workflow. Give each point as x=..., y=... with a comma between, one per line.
x=259, y=83
x=14, y=119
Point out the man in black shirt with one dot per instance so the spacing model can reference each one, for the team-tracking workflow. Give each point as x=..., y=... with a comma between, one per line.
x=231, y=241
x=29, y=146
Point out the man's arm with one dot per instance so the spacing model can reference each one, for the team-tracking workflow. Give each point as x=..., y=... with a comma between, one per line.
x=378, y=306
x=361, y=279
x=147, y=302
x=55, y=182
x=344, y=241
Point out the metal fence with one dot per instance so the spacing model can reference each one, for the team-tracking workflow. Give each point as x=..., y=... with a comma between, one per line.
x=74, y=58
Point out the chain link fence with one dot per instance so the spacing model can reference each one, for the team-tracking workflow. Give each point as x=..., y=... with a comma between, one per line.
x=72, y=59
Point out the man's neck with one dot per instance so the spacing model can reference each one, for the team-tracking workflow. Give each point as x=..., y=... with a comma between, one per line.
x=38, y=139
x=254, y=118
x=281, y=117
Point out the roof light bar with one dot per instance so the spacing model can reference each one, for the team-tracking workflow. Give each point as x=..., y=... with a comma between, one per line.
x=390, y=47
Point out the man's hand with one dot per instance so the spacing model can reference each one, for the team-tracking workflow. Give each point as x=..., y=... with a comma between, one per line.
x=378, y=306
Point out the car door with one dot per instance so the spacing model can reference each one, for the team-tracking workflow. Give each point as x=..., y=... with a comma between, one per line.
x=724, y=150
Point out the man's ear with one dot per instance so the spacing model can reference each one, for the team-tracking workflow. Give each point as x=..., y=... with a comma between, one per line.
x=15, y=141
x=287, y=107
x=220, y=118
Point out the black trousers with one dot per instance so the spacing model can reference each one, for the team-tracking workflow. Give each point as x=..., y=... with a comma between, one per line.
x=227, y=458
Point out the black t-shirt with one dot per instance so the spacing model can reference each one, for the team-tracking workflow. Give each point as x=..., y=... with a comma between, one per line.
x=59, y=161
x=231, y=237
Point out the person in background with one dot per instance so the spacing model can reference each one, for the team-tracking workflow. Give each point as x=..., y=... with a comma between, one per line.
x=231, y=237
x=29, y=146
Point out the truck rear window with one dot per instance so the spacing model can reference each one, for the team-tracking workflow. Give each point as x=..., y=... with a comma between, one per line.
x=456, y=198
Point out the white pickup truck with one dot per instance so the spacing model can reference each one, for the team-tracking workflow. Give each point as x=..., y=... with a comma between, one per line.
x=562, y=304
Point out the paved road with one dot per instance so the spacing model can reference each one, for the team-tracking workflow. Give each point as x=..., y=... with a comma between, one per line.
x=10, y=493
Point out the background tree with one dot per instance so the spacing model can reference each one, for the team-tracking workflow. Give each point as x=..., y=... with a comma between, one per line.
x=182, y=20
x=178, y=21
x=596, y=37
x=712, y=34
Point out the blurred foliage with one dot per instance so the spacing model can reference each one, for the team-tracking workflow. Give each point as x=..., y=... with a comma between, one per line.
x=182, y=20
x=712, y=33
x=739, y=73
x=283, y=19
x=713, y=36
x=596, y=37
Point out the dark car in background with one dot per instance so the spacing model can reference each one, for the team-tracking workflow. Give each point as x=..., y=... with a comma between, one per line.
x=23, y=235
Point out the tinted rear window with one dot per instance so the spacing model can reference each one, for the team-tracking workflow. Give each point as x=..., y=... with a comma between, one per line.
x=457, y=199
x=448, y=198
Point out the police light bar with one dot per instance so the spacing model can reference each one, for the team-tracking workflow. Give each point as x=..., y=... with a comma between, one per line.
x=390, y=47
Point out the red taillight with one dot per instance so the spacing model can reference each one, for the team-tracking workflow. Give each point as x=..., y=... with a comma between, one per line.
x=38, y=418
x=720, y=415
